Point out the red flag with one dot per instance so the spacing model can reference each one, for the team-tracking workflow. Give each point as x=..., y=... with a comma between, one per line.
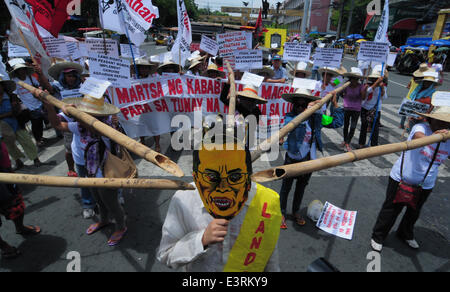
x=259, y=25
x=50, y=14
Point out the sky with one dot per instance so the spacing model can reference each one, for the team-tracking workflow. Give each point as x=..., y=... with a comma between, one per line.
x=217, y=4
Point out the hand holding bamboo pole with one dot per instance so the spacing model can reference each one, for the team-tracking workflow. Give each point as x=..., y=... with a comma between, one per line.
x=297, y=169
x=143, y=151
x=266, y=145
x=107, y=183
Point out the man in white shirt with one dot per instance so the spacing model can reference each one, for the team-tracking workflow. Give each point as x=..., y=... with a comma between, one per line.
x=203, y=227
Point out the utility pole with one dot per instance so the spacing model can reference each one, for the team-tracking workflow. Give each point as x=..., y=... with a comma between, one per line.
x=341, y=17
x=350, y=18
x=305, y=19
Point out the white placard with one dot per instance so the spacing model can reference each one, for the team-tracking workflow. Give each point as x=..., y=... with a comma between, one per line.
x=83, y=49
x=14, y=62
x=209, y=45
x=297, y=52
x=252, y=79
x=409, y=108
x=70, y=93
x=304, y=83
x=98, y=46
x=125, y=51
x=72, y=49
x=337, y=221
x=17, y=51
x=231, y=42
x=441, y=98
x=94, y=87
x=56, y=47
x=114, y=70
x=248, y=59
x=328, y=57
x=391, y=59
x=374, y=52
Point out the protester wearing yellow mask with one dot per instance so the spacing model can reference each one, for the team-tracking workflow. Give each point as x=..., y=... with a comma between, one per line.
x=228, y=223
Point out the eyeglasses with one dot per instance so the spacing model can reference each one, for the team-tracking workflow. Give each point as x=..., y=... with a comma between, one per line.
x=232, y=179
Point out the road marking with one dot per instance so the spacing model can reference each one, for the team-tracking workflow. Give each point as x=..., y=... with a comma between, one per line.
x=402, y=85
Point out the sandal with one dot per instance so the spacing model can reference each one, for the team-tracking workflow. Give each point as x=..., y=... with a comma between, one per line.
x=283, y=223
x=72, y=174
x=300, y=220
x=11, y=253
x=29, y=230
x=117, y=237
x=94, y=228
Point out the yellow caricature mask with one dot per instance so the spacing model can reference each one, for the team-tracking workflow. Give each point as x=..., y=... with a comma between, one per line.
x=223, y=179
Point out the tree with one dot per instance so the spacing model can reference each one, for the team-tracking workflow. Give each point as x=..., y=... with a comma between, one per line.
x=358, y=16
x=168, y=11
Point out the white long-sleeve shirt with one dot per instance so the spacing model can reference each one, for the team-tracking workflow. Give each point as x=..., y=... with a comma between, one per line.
x=181, y=243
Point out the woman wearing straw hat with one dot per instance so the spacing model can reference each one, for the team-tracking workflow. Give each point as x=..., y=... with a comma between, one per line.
x=93, y=147
x=353, y=97
x=169, y=67
x=424, y=91
x=10, y=128
x=196, y=67
x=412, y=85
x=326, y=86
x=214, y=72
x=22, y=72
x=416, y=169
x=301, y=146
x=370, y=105
x=301, y=70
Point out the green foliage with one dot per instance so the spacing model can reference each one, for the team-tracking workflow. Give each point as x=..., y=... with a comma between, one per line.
x=168, y=11
x=359, y=16
x=277, y=25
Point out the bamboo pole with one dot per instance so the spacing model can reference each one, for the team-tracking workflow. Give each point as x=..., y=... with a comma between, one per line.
x=143, y=151
x=107, y=183
x=232, y=104
x=295, y=170
x=266, y=145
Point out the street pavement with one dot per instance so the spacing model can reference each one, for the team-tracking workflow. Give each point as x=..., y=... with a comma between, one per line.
x=359, y=186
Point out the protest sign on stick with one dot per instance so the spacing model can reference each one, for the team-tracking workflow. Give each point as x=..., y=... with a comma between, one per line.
x=409, y=108
x=209, y=45
x=248, y=59
x=374, y=52
x=328, y=57
x=297, y=52
x=114, y=70
x=102, y=46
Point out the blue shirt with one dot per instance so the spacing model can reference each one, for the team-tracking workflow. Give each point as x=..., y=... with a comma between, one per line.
x=6, y=107
x=280, y=73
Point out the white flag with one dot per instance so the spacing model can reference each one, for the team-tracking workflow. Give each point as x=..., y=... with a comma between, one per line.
x=131, y=17
x=182, y=46
x=21, y=21
x=382, y=36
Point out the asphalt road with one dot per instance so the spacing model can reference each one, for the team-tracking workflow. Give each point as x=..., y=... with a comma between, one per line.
x=358, y=186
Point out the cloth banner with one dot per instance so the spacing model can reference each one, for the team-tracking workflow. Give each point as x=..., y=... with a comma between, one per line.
x=147, y=108
x=181, y=49
x=130, y=17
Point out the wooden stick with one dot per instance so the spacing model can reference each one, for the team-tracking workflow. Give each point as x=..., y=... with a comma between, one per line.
x=107, y=183
x=295, y=170
x=121, y=139
x=266, y=145
x=232, y=104
x=26, y=44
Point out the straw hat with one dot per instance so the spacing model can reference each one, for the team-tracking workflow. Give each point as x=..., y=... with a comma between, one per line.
x=144, y=62
x=213, y=67
x=8, y=85
x=17, y=64
x=331, y=70
x=266, y=69
x=93, y=106
x=302, y=67
x=168, y=64
x=196, y=61
x=419, y=73
x=301, y=93
x=431, y=75
x=251, y=92
x=441, y=113
x=354, y=72
x=56, y=69
x=376, y=72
